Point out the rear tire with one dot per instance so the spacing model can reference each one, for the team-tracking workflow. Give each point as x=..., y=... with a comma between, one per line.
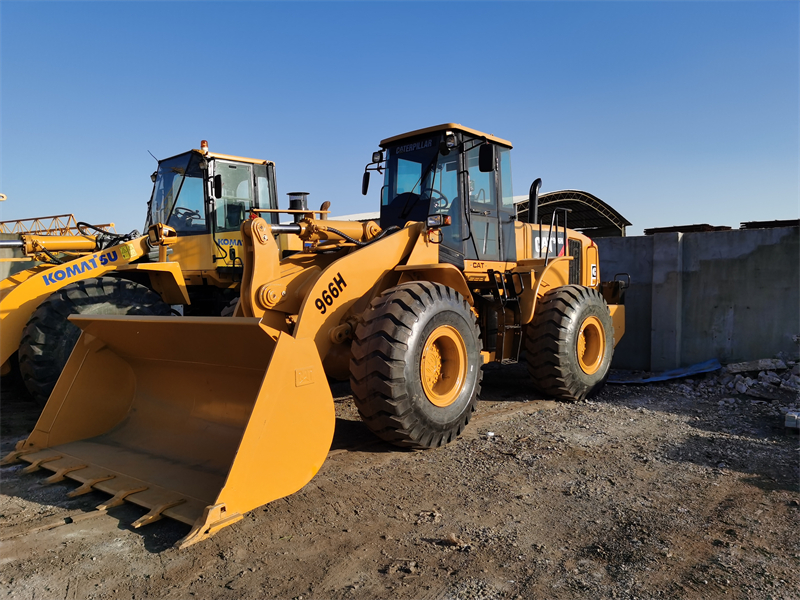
x=48, y=338
x=569, y=344
x=416, y=368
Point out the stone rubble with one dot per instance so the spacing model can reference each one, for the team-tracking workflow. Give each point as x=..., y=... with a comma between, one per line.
x=772, y=381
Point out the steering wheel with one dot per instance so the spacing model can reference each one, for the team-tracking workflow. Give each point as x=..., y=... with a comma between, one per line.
x=186, y=213
x=439, y=199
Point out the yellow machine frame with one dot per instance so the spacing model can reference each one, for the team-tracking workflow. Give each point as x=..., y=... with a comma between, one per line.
x=202, y=419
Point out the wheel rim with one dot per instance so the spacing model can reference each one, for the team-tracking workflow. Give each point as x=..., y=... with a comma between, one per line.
x=443, y=366
x=591, y=345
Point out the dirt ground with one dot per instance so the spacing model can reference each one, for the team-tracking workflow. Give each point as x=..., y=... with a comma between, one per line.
x=672, y=490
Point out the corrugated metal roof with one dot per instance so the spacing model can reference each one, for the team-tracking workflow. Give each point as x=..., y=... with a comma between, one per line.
x=589, y=214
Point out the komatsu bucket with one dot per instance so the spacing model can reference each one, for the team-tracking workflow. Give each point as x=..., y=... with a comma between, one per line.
x=198, y=419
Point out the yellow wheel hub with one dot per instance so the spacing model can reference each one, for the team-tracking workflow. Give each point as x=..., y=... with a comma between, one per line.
x=591, y=345
x=443, y=365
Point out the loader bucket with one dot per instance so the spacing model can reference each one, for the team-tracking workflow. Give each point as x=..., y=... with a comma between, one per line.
x=198, y=419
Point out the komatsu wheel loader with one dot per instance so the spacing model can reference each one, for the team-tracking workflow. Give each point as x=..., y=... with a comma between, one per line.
x=202, y=196
x=202, y=419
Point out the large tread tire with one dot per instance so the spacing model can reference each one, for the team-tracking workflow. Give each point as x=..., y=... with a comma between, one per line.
x=569, y=344
x=230, y=308
x=406, y=325
x=48, y=338
x=11, y=382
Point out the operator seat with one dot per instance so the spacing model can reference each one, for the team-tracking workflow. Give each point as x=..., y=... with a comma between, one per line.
x=234, y=215
x=455, y=212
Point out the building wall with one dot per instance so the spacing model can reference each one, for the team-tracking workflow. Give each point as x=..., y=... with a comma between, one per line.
x=731, y=295
x=9, y=268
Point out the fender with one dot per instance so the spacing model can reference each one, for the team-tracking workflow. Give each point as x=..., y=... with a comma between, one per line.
x=352, y=276
x=166, y=278
x=540, y=279
x=443, y=273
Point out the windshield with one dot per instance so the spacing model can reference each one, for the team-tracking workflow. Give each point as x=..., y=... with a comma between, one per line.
x=420, y=181
x=177, y=198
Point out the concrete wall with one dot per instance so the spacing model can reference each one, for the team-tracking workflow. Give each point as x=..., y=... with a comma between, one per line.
x=731, y=295
x=9, y=268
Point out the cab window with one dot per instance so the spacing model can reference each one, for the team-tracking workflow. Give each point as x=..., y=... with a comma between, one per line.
x=237, y=195
x=507, y=195
x=481, y=185
x=187, y=212
x=264, y=192
x=420, y=181
x=408, y=176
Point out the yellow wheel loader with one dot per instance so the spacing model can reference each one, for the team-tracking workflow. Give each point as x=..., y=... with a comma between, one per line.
x=202, y=196
x=202, y=419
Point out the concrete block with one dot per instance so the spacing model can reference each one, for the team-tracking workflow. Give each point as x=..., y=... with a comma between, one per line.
x=667, y=311
x=762, y=364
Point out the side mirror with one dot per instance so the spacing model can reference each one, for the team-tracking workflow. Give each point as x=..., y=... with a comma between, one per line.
x=217, y=186
x=533, y=200
x=365, y=183
x=486, y=158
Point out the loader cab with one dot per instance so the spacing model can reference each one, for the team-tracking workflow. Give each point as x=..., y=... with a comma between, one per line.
x=206, y=197
x=456, y=171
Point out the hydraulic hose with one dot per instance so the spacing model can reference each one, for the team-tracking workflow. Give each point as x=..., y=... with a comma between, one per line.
x=361, y=244
x=106, y=238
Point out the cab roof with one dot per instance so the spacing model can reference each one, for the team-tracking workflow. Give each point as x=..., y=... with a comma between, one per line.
x=444, y=127
x=254, y=161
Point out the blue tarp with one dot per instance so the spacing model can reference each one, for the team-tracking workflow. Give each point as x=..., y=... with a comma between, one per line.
x=627, y=377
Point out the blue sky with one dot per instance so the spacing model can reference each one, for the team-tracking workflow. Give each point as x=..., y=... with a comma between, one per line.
x=672, y=112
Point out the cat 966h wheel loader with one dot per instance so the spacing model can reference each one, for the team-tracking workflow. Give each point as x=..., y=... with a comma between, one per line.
x=202, y=196
x=203, y=419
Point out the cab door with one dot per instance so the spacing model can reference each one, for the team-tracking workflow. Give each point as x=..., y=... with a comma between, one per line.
x=484, y=242
x=231, y=209
x=506, y=211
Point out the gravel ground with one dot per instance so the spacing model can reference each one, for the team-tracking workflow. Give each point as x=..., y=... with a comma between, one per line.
x=685, y=489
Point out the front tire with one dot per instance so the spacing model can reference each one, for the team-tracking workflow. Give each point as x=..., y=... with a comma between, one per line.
x=230, y=308
x=48, y=338
x=569, y=344
x=416, y=368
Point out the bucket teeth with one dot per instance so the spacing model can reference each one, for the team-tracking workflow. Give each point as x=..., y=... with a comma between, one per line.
x=36, y=464
x=11, y=458
x=119, y=498
x=155, y=513
x=87, y=486
x=213, y=519
x=61, y=473
x=16, y=453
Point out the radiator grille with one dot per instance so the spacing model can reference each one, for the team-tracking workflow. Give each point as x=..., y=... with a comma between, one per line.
x=576, y=264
